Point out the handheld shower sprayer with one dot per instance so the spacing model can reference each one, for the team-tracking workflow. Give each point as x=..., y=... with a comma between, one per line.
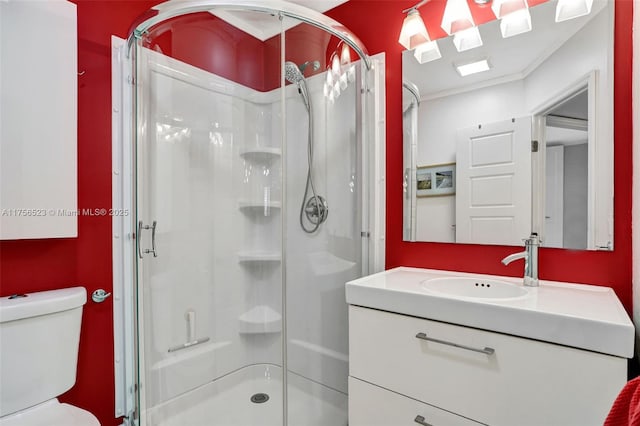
x=293, y=74
x=315, y=208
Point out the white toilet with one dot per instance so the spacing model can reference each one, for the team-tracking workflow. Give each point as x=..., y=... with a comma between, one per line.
x=39, y=336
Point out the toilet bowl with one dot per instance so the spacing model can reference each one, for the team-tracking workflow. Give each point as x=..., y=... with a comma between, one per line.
x=51, y=413
x=40, y=334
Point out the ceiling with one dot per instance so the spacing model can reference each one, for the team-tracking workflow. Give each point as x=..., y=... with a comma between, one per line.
x=511, y=58
x=264, y=26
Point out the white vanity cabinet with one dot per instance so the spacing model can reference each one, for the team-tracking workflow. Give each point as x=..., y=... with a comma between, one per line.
x=470, y=376
x=372, y=405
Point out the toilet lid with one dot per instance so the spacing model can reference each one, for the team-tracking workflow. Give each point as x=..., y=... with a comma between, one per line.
x=51, y=413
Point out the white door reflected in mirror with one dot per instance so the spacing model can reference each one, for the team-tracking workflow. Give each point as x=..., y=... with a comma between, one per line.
x=493, y=200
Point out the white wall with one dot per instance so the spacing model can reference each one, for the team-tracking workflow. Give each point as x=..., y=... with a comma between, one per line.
x=438, y=122
x=636, y=168
x=587, y=50
x=439, y=119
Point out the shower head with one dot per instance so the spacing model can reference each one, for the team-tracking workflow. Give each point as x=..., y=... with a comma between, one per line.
x=293, y=75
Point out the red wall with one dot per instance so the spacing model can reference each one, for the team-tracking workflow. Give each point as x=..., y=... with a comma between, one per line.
x=209, y=43
x=377, y=24
x=35, y=265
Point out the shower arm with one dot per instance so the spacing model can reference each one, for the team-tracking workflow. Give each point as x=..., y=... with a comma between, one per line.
x=314, y=64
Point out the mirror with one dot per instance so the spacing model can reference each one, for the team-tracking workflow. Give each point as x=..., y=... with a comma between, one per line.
x=526, y=146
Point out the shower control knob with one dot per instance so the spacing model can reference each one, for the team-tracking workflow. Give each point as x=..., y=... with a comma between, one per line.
x=99, y=295
x=316, y=209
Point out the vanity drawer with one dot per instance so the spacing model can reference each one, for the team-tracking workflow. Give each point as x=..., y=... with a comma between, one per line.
x=371, y=405
x=514, y=381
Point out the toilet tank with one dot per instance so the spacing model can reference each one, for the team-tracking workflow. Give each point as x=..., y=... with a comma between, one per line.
x=39, y=336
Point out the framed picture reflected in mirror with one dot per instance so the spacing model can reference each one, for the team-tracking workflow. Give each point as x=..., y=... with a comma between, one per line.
x=436, y=180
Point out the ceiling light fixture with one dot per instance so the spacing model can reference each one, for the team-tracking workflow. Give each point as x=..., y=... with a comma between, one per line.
x=502, y=8
x=457, y=17
x=414, y=36
x=345, y=55
x=516, y=23
x=514, y=16
x=457, y=20
x=413, y=32
x=335, y=66
x=427, y=52
x=569, y=9
x=473, y=67
x=467, y=39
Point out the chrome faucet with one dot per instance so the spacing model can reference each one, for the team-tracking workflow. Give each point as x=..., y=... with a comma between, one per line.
x=530, y=256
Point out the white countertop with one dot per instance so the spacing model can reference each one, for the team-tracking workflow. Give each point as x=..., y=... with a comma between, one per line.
x=578, y=315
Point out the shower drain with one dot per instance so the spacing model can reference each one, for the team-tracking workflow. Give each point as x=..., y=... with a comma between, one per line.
x=259, y=398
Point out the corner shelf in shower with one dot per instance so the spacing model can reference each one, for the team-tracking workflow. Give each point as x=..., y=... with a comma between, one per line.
x=260, y=320
x=257, y=207
x=259, y=257
x=261, y=154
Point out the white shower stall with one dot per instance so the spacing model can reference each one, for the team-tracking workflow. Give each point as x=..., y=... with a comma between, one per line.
x=253, y=200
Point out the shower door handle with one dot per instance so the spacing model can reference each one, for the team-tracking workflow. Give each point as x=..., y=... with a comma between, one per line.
x=153, y=239
x=141, y=226
x=139, y=238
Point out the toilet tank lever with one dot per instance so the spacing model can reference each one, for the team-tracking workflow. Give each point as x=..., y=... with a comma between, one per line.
x=18, y=296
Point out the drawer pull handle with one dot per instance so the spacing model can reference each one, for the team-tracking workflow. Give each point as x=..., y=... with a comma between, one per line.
x=487, y=351
x=421, y=420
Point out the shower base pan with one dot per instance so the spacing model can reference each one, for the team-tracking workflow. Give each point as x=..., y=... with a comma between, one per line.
x=252, y=396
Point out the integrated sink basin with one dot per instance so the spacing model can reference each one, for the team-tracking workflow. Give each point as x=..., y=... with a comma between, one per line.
x=475, y=288
x=577, y=315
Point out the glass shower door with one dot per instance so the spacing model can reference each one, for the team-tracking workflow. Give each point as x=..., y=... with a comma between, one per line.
x=324, y=220
x=209, y=210
x=252, y=154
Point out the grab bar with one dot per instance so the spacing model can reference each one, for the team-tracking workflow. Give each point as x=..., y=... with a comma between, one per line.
x=485, y=350
x=189, y=344
x=190, y=318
